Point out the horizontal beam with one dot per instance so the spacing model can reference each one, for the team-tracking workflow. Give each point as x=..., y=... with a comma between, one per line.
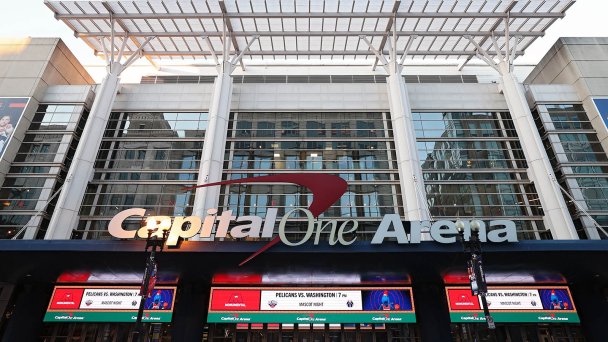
x=314, y=34
x=309, y=15
x=313, y=53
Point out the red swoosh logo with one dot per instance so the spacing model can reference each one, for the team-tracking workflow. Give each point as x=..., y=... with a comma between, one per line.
x=326, y=190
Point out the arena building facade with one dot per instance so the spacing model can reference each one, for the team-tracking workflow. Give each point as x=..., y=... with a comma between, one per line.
x=312, y=162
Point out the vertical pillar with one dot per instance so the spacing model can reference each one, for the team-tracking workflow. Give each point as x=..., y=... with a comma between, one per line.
x=557, y=218
x=65, y=216
x=431, y=310
x=30, y=305
x=190, y=316
x=212, y=157
x=410, y=173
x=590, y=297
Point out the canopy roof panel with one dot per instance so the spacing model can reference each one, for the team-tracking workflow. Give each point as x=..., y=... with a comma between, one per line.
x=316, y=30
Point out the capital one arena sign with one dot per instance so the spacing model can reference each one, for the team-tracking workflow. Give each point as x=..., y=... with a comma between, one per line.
x=326, y=190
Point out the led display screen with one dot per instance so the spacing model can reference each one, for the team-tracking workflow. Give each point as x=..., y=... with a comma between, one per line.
x=513, y=304
x=311, y=305
x=11, y=110
x=109, y=304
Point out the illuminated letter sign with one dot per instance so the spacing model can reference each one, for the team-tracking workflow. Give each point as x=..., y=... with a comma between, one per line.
x=391, y=227
x=326, y=190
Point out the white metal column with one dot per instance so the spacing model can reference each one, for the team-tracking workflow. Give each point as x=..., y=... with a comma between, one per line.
x=65, y=216
x=410, y=172
x=212, y=157
x=214, y=147
x=557, y=218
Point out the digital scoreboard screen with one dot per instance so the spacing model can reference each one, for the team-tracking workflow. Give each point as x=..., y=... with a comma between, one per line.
x=513, y=304
x=109, y=304
x=311, y=305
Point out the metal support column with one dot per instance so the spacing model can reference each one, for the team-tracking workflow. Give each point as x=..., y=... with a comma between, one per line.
x=557, y=218
x=65, y=216
x=212, y=156
x=410, y=172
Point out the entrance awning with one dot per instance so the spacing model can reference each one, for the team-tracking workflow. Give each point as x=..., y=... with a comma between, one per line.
x=309, y=31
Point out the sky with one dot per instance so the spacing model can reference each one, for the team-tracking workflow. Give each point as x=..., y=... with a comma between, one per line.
x=23, y=18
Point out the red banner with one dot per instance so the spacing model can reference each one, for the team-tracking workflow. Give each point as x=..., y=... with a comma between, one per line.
x=68, y=298
x=462, y=299
x=235, y=300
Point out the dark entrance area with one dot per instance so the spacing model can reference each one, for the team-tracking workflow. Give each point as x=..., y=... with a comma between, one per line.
x=517, y=332
x=31, y=269
x=101, y=332
x=298, y=333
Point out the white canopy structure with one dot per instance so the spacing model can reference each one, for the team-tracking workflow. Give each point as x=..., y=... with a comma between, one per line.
x=308, y=30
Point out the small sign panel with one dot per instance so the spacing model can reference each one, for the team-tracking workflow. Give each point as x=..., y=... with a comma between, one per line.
x=110, y=299
x=311, y=301
x=513, y=299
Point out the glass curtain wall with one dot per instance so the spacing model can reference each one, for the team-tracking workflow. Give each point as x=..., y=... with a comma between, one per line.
x=145, y=160
x=38, y=170
x=580, y=163
x=473, y=167
x=358, y=147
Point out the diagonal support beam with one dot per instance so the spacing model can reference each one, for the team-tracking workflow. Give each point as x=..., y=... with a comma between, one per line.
x=105, y=53
x=112, y=40
x=117, y=18
x=483, y=54
x=228, y=25
x=211, y=50
x=507, y=39
x=122, y=48
x=513, y=52
x=485, y=38
x=496, y=48
x=238, y=59
x=378, y=54
x=407, y=49
x=136, y=54
x=391, y=23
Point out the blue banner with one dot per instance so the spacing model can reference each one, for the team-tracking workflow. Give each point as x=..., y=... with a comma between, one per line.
x=602, y=108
